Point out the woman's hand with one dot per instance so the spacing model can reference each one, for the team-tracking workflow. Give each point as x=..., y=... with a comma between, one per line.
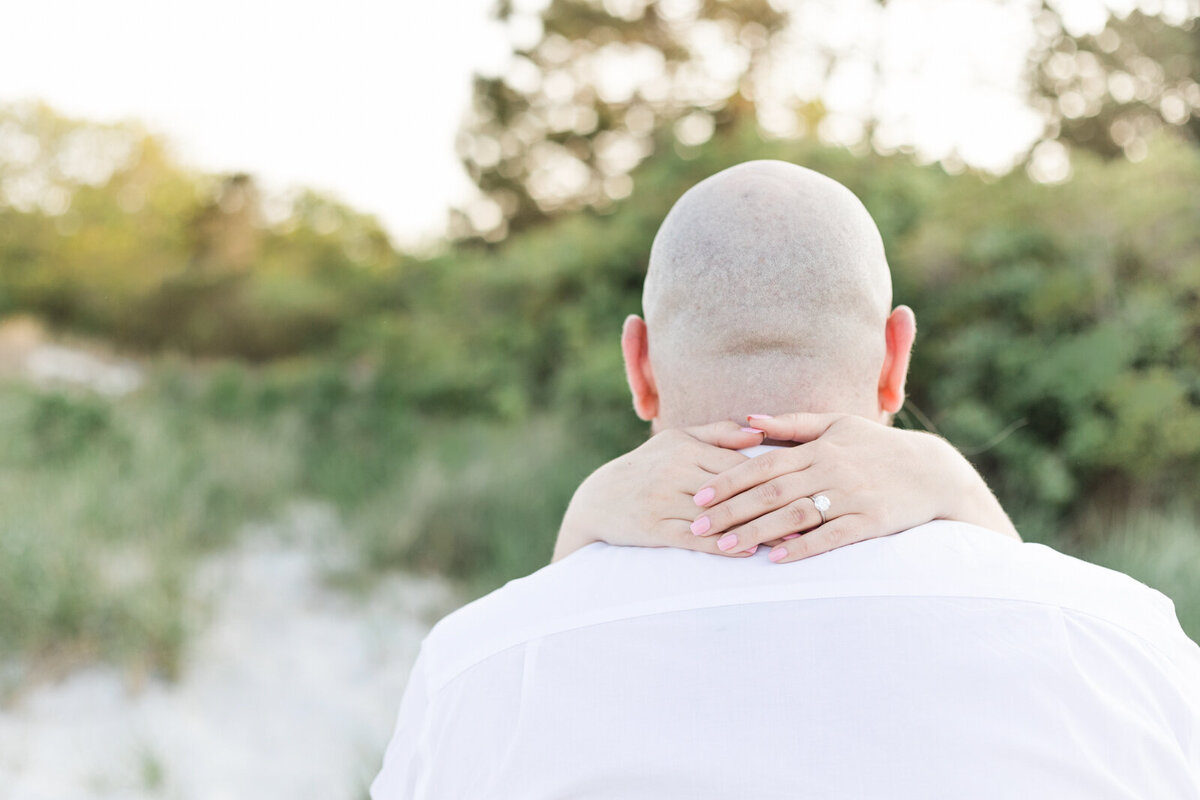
x=688, y=488
x=877, y=481
x=644, y=497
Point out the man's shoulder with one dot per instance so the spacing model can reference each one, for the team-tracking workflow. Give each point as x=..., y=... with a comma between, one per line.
x=596, y=584
x=560, y=595
x=602, y=583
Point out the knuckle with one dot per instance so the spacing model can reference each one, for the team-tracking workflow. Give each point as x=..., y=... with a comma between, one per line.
x=765, y=464
x=797, y=516
x=810, y=545
x=720, y=486
x=731, y=517
x=719, y=516
x=841, y=536
x=767, y=492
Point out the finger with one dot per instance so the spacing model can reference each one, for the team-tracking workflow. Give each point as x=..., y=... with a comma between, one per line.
x=799, y=515
x=798, y=427
x=675, y=501
x=836, y=533
x=753, y=472
x=715, y=460
x=675, y=533
x=755, y=502
x=726, y=434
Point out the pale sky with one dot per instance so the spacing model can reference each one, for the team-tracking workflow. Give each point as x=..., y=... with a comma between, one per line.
x=362, y=98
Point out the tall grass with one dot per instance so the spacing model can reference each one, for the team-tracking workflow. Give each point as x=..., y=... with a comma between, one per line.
x=106, y=505
x=1159, y=547
x=478, y=503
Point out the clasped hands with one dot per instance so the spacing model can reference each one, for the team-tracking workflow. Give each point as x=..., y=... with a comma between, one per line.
x=690, y=488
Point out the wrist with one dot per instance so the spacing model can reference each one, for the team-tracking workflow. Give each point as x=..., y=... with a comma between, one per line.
x=968, y=498
x=578, y=527
x=944, y=468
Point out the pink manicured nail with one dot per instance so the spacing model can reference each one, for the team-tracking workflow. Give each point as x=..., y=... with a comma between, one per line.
x=759, y=416
x=792, y=536
x=701, y=526
x=752, y=550
x=704, y=496
x=726, y=542
x=778, y=554
x=750, y=430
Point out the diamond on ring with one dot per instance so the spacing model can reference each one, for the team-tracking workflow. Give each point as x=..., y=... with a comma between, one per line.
x=822, y=504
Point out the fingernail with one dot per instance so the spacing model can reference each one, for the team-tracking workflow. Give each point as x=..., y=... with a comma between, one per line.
x=704, y=496
x=759, y=416
x=726, y=542
x=778, y=554
x=701, y=526
x=752, y=550
x=792, y=536
x=750, y=430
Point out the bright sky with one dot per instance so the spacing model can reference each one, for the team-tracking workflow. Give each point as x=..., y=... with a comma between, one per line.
x=362, y=98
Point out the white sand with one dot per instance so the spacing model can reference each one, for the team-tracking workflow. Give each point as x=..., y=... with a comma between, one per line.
x=289, y=690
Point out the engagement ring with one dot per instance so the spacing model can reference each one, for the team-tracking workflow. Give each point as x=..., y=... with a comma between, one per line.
x=822, y=504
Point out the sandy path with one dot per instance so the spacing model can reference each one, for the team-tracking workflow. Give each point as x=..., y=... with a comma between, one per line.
x=289, y=690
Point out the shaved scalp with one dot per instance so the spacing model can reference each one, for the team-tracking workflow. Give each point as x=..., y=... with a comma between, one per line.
x=768, y=291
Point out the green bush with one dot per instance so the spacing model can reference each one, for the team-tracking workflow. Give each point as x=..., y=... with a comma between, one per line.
x=478, y=503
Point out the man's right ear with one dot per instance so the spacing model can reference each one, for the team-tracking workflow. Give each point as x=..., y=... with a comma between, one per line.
x=635, y=346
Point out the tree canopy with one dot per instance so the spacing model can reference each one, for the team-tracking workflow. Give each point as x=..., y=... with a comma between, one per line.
x=592, y=81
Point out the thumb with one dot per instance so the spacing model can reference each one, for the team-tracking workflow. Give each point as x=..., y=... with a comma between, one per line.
x=797, y=427
x=726, y=434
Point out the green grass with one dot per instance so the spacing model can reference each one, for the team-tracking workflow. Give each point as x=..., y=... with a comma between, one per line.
x=106, y=505
x=478, y=503
x=1161, y=548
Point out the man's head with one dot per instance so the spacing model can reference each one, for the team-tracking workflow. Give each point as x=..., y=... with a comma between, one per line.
x=768, y=291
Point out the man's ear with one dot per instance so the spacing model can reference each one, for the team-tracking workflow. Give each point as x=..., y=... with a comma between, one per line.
x=635, y=347
x=899, y=333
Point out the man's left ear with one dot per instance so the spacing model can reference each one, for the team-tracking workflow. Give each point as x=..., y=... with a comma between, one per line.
x=899, y=333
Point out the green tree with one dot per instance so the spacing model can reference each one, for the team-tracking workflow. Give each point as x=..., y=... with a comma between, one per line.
x=1110, y=91
x=101, y=231
x=578, y=108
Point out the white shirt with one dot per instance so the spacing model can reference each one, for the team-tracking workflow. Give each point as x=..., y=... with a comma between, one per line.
x=944, y=662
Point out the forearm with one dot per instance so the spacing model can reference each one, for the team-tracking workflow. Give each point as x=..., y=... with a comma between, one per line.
x=971, y=500
x=578, y=524
x=571, y=537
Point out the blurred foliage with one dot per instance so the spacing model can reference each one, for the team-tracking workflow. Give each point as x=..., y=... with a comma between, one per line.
x=579, y=104
x=449, y=405
x=105, y=505
x=1059, y=324
x=1110, y=91
x=101, y=231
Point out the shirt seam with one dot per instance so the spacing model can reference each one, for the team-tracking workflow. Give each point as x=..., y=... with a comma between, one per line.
x=539, y=635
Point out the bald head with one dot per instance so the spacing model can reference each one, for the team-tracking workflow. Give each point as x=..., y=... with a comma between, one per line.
x=768, y=291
